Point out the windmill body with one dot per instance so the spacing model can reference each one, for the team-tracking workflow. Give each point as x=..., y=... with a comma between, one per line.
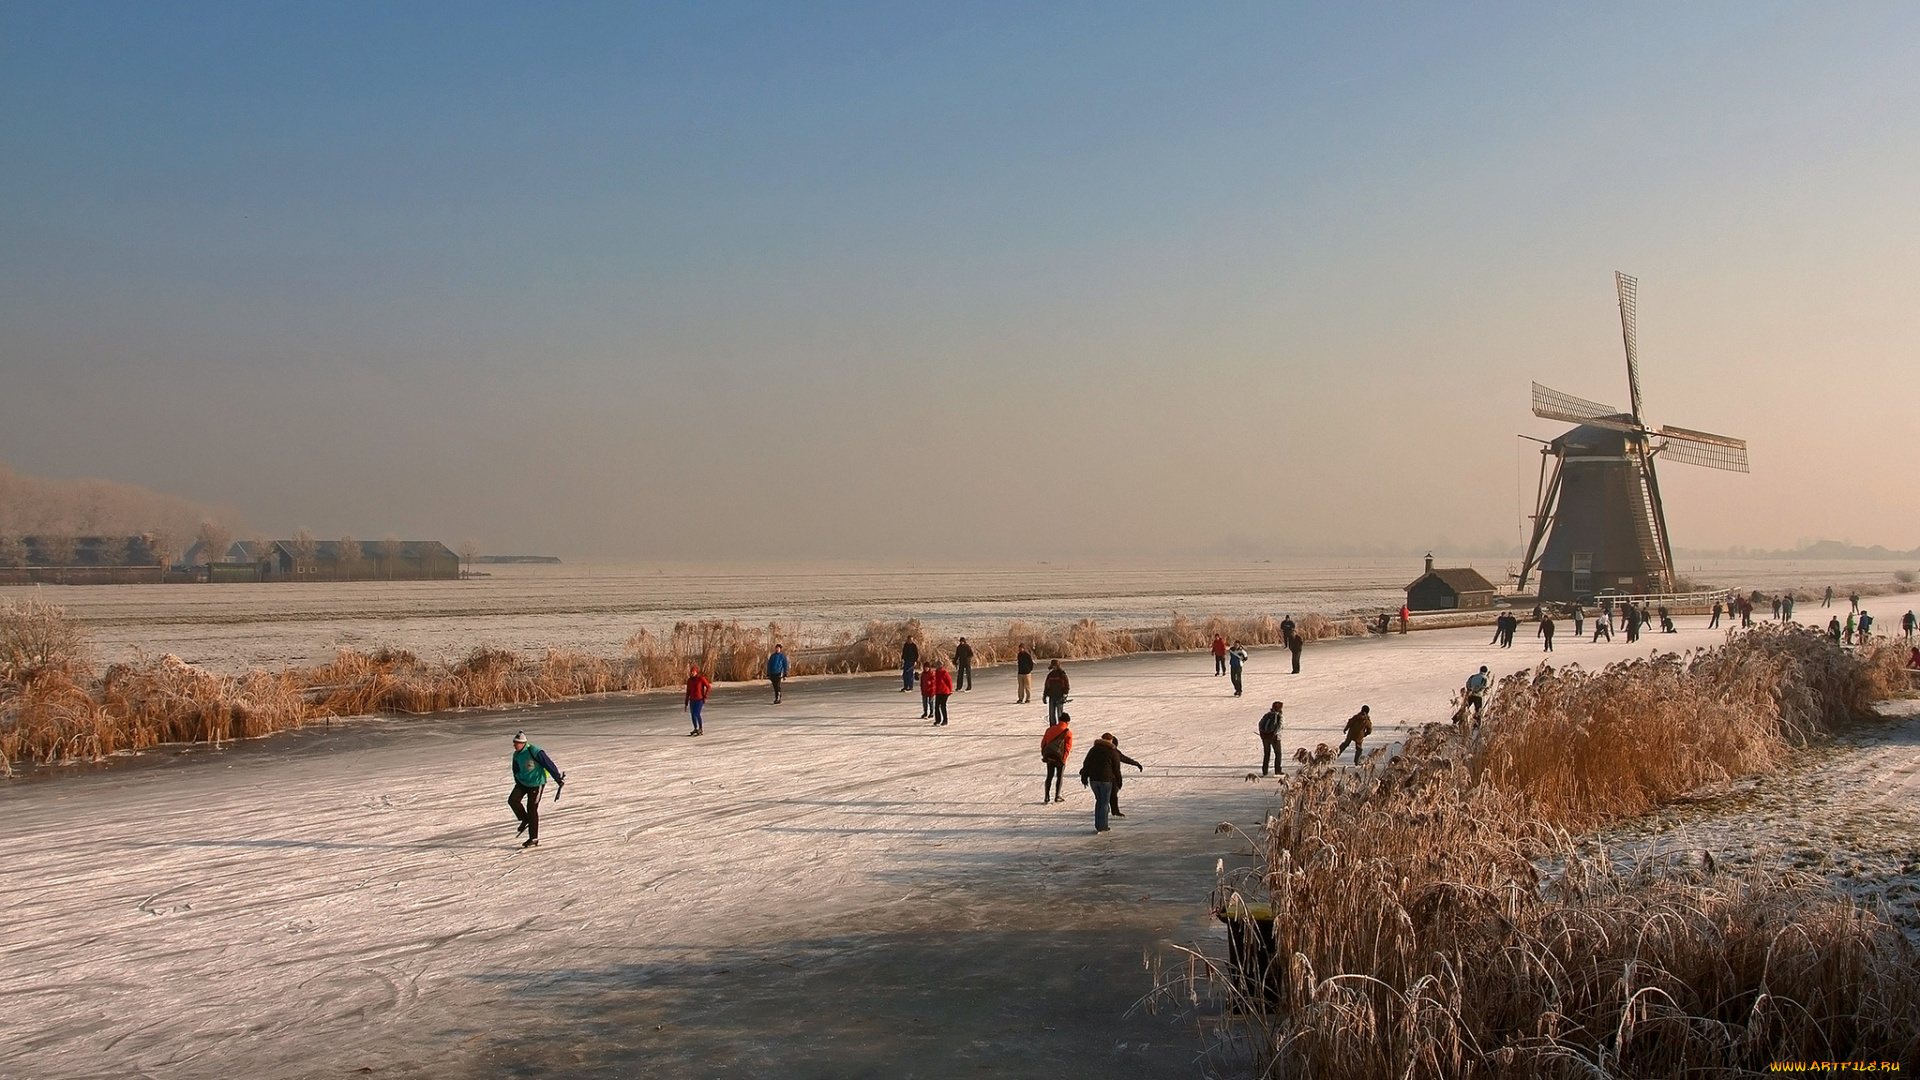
x=1599, y=526
x=1602, y=525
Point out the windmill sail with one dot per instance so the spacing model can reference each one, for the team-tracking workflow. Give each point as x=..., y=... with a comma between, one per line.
x=1704, y=449
x=1551, y=404
x=1629, y=290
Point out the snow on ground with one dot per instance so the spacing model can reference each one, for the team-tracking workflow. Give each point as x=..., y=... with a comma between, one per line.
x=825, y=888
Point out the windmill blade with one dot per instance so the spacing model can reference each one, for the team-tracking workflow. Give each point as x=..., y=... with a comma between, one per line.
x=1629, y=290
x=1551, y=404
x=1704, y=449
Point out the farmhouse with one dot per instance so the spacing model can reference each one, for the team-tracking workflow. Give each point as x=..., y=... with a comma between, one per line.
x=358, y=560
x=1449, y=588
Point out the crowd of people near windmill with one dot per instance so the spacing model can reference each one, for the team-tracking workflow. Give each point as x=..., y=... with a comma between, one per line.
x=938, y=678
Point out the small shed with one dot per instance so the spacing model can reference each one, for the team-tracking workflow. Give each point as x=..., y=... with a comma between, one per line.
x=1449, y=588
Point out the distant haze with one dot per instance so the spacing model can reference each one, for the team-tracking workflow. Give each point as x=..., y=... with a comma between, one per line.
x=899, y=282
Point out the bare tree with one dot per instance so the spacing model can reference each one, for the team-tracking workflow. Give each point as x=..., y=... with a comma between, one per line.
x=164, y=546
x=57, y=549
x=346, y=557
x=214, y=539
x=12, y=552
x=390, y=548
x=113, y=550
x=469, y=551
x=304, y=546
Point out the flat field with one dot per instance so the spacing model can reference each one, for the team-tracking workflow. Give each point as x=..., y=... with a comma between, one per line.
x=596, y=608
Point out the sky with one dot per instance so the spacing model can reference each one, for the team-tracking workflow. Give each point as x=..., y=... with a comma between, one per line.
x=956, y=281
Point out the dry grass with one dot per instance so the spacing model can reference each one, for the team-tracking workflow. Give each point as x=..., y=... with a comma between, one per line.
x=52, y=709
x=1434, y=917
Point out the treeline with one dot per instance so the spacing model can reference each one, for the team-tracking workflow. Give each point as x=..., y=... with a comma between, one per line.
x=35, y=506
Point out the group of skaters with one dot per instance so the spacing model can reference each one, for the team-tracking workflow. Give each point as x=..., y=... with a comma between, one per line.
x=1101, y=768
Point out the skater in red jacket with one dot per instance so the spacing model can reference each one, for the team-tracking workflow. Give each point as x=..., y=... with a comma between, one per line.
x=697, y=687
x=942, y=689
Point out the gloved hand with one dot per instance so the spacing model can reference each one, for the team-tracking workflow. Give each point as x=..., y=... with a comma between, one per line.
x=1083, y=781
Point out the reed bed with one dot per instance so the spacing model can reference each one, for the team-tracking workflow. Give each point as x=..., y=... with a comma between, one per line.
x=1433, y=914
x=53, y=708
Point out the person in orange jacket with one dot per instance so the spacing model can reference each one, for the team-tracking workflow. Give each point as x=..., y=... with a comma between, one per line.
x=1055, y=745
x=1219, y=655
x=697, y=688
x=942, y=689
x=926, y=692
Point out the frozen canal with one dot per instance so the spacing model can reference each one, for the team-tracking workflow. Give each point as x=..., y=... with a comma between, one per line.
x=825, y=888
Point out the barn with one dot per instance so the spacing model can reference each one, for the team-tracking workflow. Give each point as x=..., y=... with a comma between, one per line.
x=1449, y=588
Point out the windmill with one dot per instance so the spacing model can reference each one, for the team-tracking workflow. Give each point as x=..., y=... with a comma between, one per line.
x=1599, y=511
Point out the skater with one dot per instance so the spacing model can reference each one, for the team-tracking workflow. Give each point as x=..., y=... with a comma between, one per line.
x=777, y=669
x=1270, y=738
x=1833, y=629
x=1286, y=628
x=1404, y=616
x=1866, y=627
x=1603, y=628
x=1908, y=623
x=962, y=666
x=1633, y=624
x=942, y=690
x=1098, y=770
x=1786, y=607
x=1717, y=606
x=1579, y=623
x=1828, y=602
x=1776, y=609
x=1219, y=655
x=1055, y=745
x=1359, y=726
x=531, y=767
x=1848, y=635
x=926, y=692
x=1236, y=660
x=1853, y=598
x=1477, y=692
x=1545, y=631
x=1113, y=800
x=1666, y=621
x=697, y=688
x=1023, y=666
x=1294, y=644
x=1054, y=691
x=909, y=658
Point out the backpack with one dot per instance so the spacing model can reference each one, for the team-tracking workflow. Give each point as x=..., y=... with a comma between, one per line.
x=1055, y=750
x=1270, y=723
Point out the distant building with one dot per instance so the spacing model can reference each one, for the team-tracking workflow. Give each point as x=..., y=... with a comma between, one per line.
x=375, y=560
x=1449, y=588
x=82, y=560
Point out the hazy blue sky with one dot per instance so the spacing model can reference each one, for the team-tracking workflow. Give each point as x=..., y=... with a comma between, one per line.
x=954, y=280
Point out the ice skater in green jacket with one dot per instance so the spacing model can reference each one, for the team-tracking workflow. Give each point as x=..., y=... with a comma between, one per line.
x=531, y=767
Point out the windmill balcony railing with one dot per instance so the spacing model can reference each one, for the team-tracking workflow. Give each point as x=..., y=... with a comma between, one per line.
x=1678, y=603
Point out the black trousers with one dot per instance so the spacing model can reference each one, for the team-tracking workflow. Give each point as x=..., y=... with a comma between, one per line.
x=1296, y=661
x=1056, y=779
x=775, y=680
x=1270, y=750
x=939, y=708
x=1219, y=665
x=963, y=676
x=1236, y=682
x=531, y=814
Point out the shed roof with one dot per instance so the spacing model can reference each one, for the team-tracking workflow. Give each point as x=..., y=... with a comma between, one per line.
x=1461, y=579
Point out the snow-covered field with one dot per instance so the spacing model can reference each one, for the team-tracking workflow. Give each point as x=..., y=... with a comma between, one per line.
x=234, y=627
x=825, y=888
